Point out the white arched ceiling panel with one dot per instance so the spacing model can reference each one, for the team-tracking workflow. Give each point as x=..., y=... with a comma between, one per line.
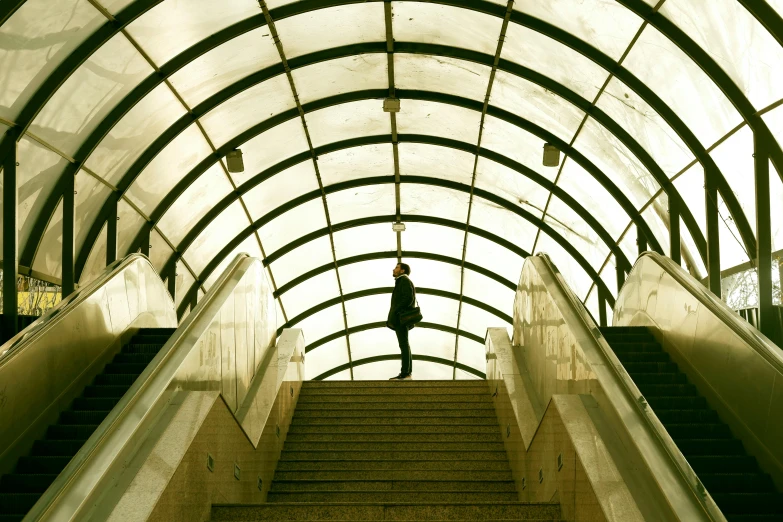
x=160, y=251
x=419, y=159
x=128, y=226
x=427, y=200
x=426, y=341
x=422, y=237
x=248, y=246
x=292, y=225
x=356, y=162
x=281, y=188
x=576, y=232
x=380, y=370
x=438, y=119
x=488, y=291
x=571, y=271
x=377, y=273
x=439, y=310
x=215, y=236
x=493, y=218
x=364, y=240
x=270, y=148
x=361, y=202
x=734, y=158
x=302, y=259
x=325, y=322
x=333, y=77
x=46, y=260
x=370, y=309
x=96, y=261
x=473, y=354
x=511, y=185
x=441, y=74
x=475, y=320
x=434, y=274
x=89, y=197
x=346, y=121
x=494, y=257
x=325, y=357
x=377, y=341
x=183, y=282
x=515, y=144
x=310, y=293
x=690, y=185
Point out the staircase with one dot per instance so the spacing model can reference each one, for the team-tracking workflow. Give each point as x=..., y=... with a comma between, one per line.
x=733, y=478
x=380, y=450
x=20, y=490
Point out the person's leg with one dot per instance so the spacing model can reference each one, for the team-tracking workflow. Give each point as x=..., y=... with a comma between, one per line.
x=405, y=350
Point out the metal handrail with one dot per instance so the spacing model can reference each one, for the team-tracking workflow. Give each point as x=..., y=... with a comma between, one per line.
x=754, y=338
x=633, y=393
x=51, y=318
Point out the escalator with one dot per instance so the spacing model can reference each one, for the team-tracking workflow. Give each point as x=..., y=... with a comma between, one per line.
x=34, y=473
x=732, y=477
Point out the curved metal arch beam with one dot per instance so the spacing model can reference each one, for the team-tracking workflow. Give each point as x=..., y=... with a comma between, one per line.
x=254, y=181
x=544, y=227
x=766, y=16
x=388, y=290
x=241, y=27
x=379, y=358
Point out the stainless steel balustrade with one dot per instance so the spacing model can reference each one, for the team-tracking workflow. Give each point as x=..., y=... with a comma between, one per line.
x=225, y=346
x=46, y=365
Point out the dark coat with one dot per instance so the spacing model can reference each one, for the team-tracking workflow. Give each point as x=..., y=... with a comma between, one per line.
x=403, y=299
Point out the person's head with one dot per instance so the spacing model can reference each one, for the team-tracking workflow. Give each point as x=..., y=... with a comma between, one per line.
x=401, y=268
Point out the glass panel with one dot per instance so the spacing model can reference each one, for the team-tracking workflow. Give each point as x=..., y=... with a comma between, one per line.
x=657, y=217
x=424, y=370
x=36, y=176
x=252, y=106
x=682, y=85
x=425, y=200
x=321, y=324
x=225, y=65
x=441, y=74
x=349, y=74
x=421, y=237
x=572, y=272
x=370, y=309
x=96, y=261
x=248, y=246
x=418, y=159
x=591, y=303
x=512, y=186
x=356, y=162
x=498, y=259
x=281, y=317
x=325, y=357
x=628, y=243
x=516, y=144
x=605, y=24
x=445, y=25
x=350, y=120
x=344, y=375
x=364, y=239
x=173, y=163
x=93, y=90
x=183, y=283
x=476, y=321
x=368, y=274
x=160, y=251
x=171, y=27
x=128, y=227
x=536, y=104
x=317, y=252
x=732, y=250
x=34, y=41
x=48, y=259
x=734, y=158
x=690, y=185
x=280, y=189
x=310, y=293
x=438, y=119
x=426, y=341
x=609, y=276
x=380, y=370
x=378, y=341
x=553, y=59
x=361, y=202
x=465, y=376
x=489, y=291
x=90, y=196
x=587, y=191
x=438, y=310
x=776, y=214
x=136, y=131
x=215, y=236
x=774, y=120
x=272, y=147
x=292, y=225
x=434, y=274
x=471, y=353
x=332, y=27
x=690, y=255
x=198, y=199
x=646, y=126
x=504, y=223
x=732, y=36
x=576, y=232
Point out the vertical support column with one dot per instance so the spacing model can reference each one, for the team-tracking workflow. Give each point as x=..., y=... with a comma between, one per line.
x=620, y=276
x=145, y=238
x=601, y=307
x=713, y=231
x=171, y=281
x=675, y=242
x=10, y=237
x=69, y=225
x=111, y=229
x=767, y=314
x=641, y=241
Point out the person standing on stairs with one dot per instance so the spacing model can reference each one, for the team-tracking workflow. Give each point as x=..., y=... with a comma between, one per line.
x=403, y=314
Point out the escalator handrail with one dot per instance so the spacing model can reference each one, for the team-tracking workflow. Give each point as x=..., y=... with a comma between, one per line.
x=742, y=328
x=153, y=382
x=633, y=393
x=51, y=318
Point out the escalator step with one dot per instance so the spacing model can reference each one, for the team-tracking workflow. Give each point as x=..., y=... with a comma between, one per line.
x=142, y=347
x=642, y=346
x=640, y=357
x=691, y=415
x=17, y=503
x=645, y=367
x=43, y=465
x=56, y=448
x=26, y=483
x=667, y=390
x=690, y=447
x=114, y=368
x=737, y=482
x=723, y=464
x=70, y=431
x=116, y=379
x=95, y=403
x=676, y=403
x=133, y=358
x=711, y=430
x=658, y=378
x=82, y=417
x=749, y=503
x=105, y=391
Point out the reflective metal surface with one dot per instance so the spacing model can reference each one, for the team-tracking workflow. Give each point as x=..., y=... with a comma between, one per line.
x=47, y=364
x=732, y=364
x=216, y=350
x=557, y=344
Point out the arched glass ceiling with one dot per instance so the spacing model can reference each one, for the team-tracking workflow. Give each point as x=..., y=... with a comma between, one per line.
x=133, y=105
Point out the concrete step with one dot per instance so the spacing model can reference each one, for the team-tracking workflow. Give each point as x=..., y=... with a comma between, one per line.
x=398, y=455
x=392, y=496
x=356, y=428
x=280, y=485
x=382, y=465
x=371, y=412
x=391, y=384
x=392, y=444
x=392, y=474
x=396, y=390
x=385, y=398
x=381, y=422
x=379, y=511
x=401, y=406
x=339, y=436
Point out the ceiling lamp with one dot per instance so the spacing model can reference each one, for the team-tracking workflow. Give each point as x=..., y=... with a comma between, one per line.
x=234, y=161
x=551, y=155
x=391, y=105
